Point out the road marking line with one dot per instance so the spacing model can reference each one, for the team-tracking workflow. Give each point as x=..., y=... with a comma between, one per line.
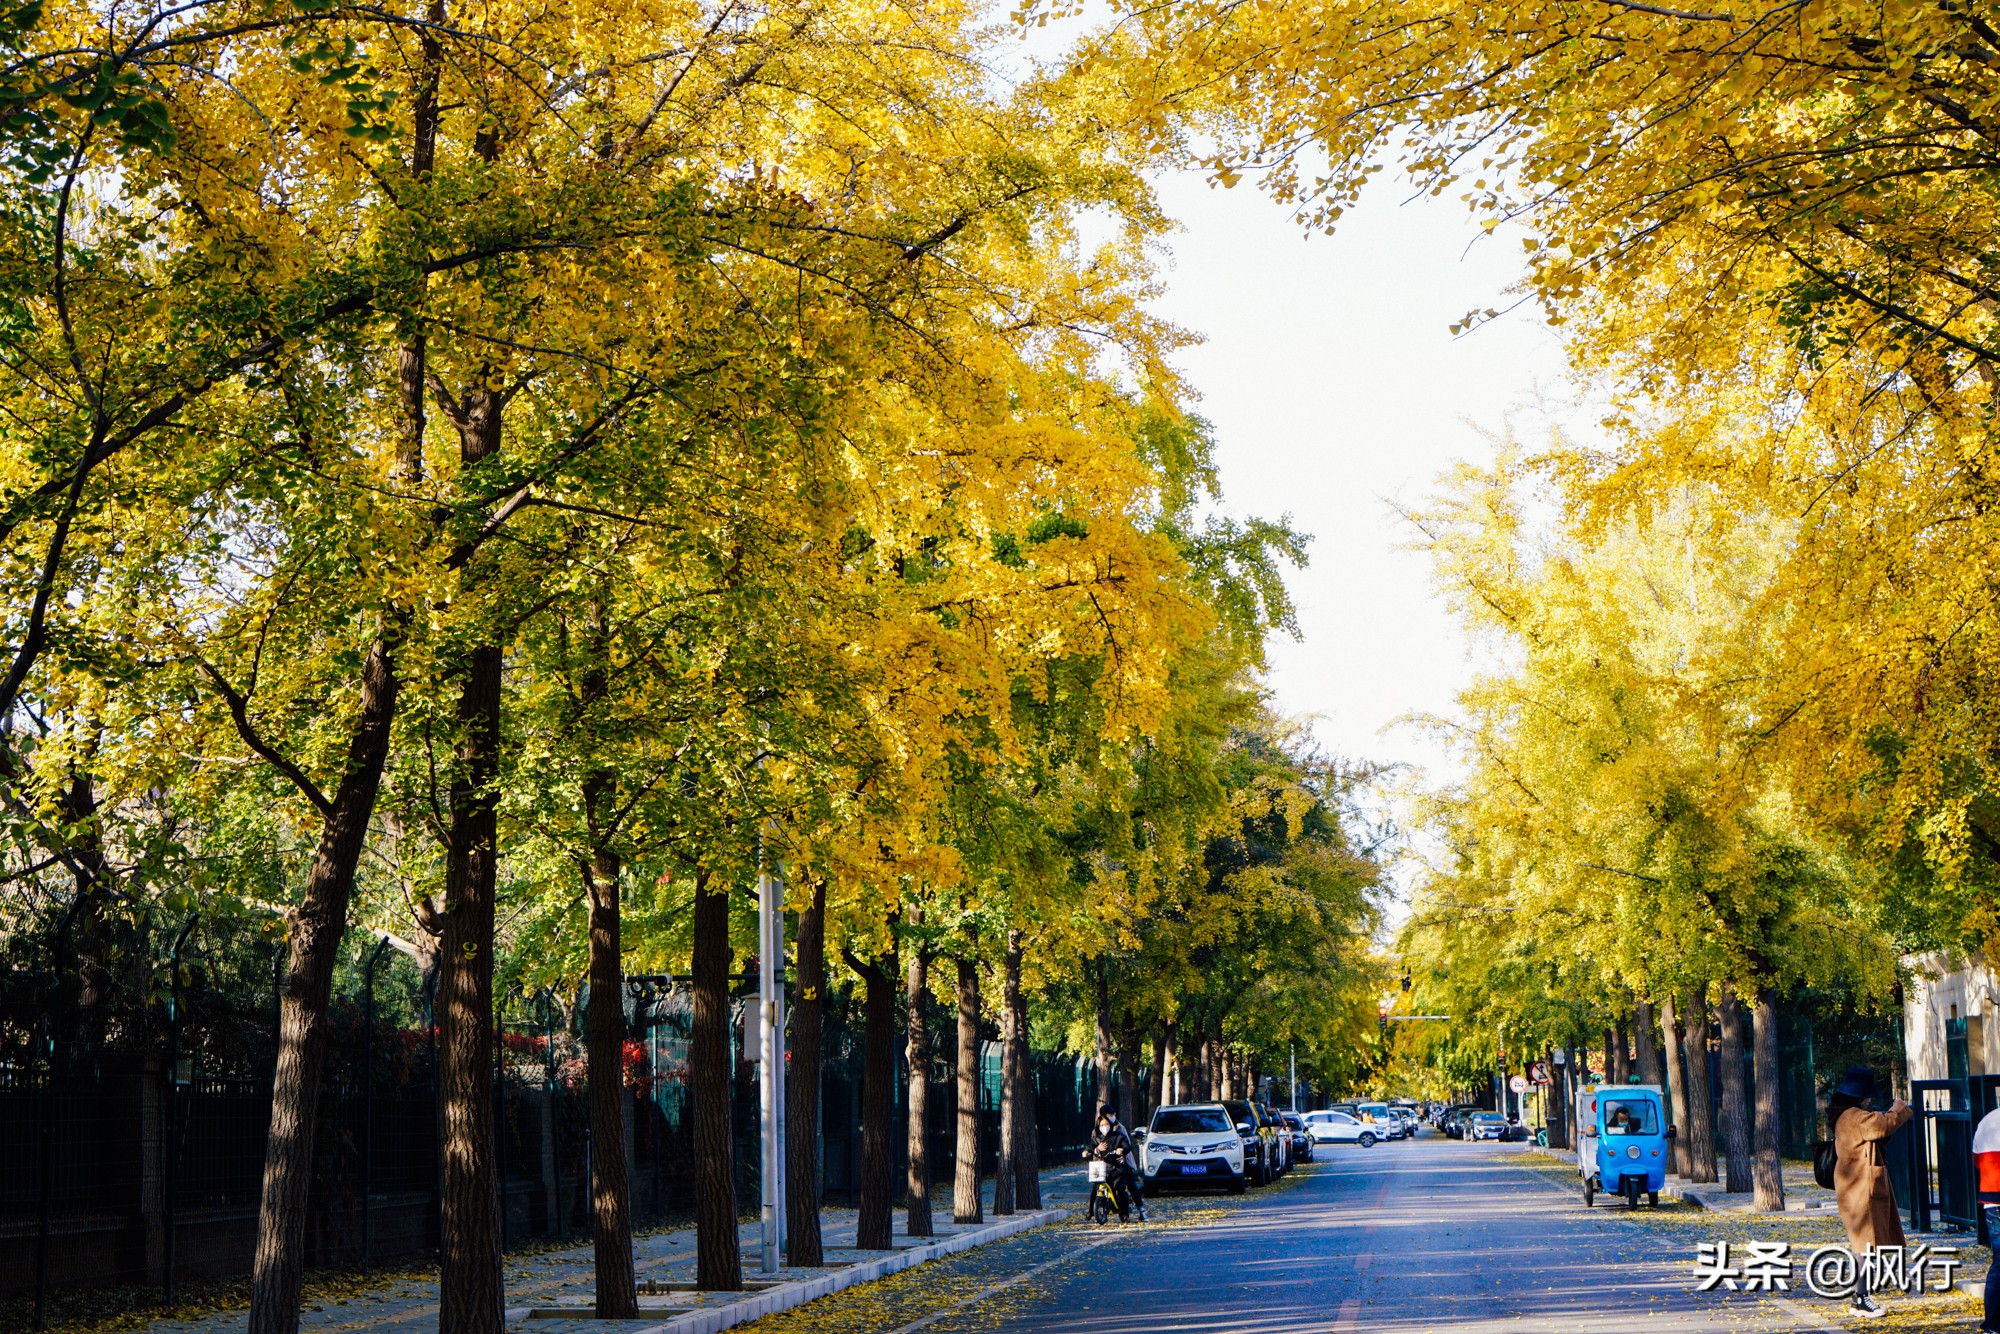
x=1349, y=1318
x=1004, y=1284
x=1364, y=1260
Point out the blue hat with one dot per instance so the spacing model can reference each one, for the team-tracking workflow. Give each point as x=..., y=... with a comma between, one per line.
x=1857, y=1083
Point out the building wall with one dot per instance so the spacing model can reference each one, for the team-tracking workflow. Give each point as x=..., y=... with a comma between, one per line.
x=1940, y=990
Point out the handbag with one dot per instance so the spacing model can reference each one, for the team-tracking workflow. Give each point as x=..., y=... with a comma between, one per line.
x=1823, y=1161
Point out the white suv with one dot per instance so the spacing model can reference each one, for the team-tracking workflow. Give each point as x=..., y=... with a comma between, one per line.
x=1194, y=1144
x=1340, y=1128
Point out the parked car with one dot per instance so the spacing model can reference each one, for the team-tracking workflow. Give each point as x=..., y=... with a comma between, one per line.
x=1460, y=1109
x=1302, y=1142
x=1192, y=1145
x=1486, y=1125
x=1340, y=1128
x=1319, y=1125
x=1387, y=1124
x=1407, y=1116
x=1454, y=1120
x=1260, y=1158
x=1281, y=1137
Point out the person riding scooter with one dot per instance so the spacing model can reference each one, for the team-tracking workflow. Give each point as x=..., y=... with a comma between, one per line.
x=1111, y=1143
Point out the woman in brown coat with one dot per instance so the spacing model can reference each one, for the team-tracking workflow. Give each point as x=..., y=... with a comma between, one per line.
x=1861, y=1172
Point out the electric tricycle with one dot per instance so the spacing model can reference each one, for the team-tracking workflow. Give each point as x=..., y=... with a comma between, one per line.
x=1623, y=1139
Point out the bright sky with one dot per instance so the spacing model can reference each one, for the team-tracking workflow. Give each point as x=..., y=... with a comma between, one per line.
x=1335, y=384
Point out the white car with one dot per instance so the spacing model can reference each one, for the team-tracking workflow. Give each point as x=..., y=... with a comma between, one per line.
x=1340, y=1128
x=1384, y=1119
x=1192, y=1144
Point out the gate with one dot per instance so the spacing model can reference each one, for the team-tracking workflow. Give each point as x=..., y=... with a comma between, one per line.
x=1942, y=1183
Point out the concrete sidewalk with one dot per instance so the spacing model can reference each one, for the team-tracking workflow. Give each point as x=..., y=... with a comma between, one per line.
x=669, y=1303
x=551, y=1292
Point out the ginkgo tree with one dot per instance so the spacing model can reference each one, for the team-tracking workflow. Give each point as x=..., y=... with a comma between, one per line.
x=1622, y=807
x=464, y=458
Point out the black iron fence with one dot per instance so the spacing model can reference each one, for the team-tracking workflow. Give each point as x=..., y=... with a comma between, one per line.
x=137, y=1157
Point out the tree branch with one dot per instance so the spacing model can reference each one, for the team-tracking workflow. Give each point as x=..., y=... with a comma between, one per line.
x=239, y=709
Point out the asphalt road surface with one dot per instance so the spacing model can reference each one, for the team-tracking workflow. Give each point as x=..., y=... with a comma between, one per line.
x=1418, y=1236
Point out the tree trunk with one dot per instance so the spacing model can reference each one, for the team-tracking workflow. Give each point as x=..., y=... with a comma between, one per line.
x=718, y=1255
x=1899, y=1069
x=317, y=925
x=96, y=942
x=1027, y=1131
x=1735, y=1098
x=469, y=1261
x=1103, y=1018
x=1613, y=1071
x=803, y=1245
x=1206, y=1082
x=1559, y=1101
x=965, y=1201
x=917, y=1053
x=1128, y=1080
x=874, y=1229
x=1645, y=1037
x=1769, y=1196
x=1701, y=1124
x=1010, y=1096
x=610, y=1187
x=1163, y=1044
x=1676, y=1070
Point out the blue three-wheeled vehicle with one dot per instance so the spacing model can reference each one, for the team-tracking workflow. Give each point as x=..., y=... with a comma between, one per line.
x=1622, y=1141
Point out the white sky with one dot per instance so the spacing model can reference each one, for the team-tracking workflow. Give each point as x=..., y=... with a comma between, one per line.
x=1334, y=384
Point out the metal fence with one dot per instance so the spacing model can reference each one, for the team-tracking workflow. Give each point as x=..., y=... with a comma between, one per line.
x=1930, y=1160
x=138, y=1158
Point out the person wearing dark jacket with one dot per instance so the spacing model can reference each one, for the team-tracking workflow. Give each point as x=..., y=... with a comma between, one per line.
x=1111, y=1143
x=1861, y=1173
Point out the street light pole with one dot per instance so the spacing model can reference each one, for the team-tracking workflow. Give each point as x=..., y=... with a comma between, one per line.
x=771, y=1053
x=779, y=1073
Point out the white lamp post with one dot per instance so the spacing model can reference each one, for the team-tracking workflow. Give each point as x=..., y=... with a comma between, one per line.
x=770, y=1050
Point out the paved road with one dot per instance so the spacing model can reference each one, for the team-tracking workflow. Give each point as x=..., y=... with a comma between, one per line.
x=1420, y=1236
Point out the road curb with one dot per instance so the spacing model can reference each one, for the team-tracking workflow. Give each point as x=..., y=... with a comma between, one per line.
x=785, y=1296
x=1711, y=1200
